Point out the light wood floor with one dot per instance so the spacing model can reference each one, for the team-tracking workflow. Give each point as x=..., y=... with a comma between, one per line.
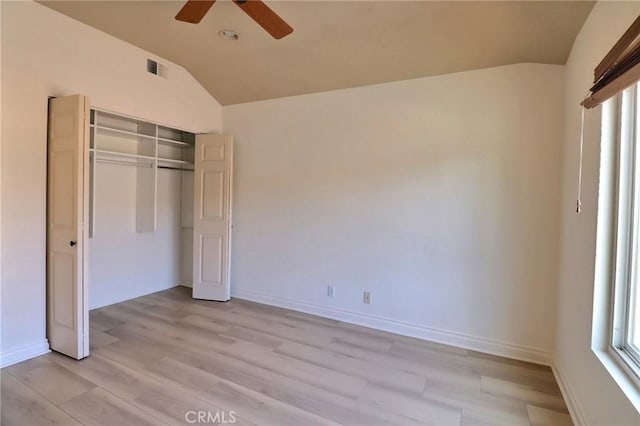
x=156, y=358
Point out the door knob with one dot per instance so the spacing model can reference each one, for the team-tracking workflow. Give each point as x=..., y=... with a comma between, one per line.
x=72, y=243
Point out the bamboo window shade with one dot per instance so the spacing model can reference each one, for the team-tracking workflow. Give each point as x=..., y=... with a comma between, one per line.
x=619, y=69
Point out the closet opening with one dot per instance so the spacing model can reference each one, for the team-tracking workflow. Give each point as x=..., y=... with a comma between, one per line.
x=133, y=207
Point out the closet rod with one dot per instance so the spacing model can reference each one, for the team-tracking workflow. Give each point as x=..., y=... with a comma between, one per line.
x=175, y=168
x=124, y=163
x=128, y=163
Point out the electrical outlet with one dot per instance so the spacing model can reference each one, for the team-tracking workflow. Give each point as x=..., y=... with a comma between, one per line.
x=366, y=297
x=331, y=290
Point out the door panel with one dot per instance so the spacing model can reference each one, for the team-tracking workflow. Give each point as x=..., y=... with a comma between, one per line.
x=64, y=275
x=67, y=207
x=212, y=217
x=63, y=176
x=213, y=153
x=213, y=193
x=212, y=268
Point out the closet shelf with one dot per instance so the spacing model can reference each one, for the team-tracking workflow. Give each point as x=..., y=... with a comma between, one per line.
x=171, y=160
x=120, y=139
x=122, y=154
x=172, y=142
x=123, y=132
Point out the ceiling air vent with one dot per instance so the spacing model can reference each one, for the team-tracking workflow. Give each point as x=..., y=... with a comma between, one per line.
x=152, y=67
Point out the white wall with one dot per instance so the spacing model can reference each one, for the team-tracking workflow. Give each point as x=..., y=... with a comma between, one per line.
x=48, y=54
x=439, y=195
x=596, y=399
x=123, y=263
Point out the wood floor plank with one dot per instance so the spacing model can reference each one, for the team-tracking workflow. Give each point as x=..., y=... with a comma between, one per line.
x=23, y=406
x=169, y=335
x=157, y=398
x=215, y=367
x=182, y=295
x=482, y=418
x=133, y=353
x=313, y=319
x=98, y=338
x=134, y=313
x=98, y=407
x=355, y=337
x=427, y=412
x=116, y=378
x=402, y=340
x=252, y=336
x=321, y=377
x=169, y=370
x=160, y=311
x=362, y=340
x=524, y=393
x=259, y=408
x=542, y=369
x=162, y=345
x=388, y=376
x=418, y=353
x=269, y=327
x=203, y=323
x=412, y=342
x=434, y=371
x=103, y=320
x=480, y=405
x=535, y=376
x=173, y=407
x=55, y=383
x=539, y=416
x=19, y=369
x=169, y=301
x=274, y=315
x=152, y=394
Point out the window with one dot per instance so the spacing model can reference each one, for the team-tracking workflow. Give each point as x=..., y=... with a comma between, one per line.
x=616, y=327
x=615, y=337
x=625, y=333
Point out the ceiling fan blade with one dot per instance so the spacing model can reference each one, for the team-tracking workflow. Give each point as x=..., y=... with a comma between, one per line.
x=265, y=17
x=194, y=10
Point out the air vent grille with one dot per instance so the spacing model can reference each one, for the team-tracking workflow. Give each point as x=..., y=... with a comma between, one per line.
x=152, y=66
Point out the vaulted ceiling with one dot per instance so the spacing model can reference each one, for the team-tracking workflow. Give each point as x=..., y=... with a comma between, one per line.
x=339, y=44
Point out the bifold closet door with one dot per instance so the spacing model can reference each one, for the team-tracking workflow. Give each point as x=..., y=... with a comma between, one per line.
x=212, y=217
x=67, y=214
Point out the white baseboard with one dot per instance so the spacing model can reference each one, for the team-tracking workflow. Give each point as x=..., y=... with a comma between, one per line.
x=569, y=396
x=452, y=338
x=24, y=353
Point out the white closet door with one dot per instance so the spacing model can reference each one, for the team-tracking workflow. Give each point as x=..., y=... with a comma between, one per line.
x=67, y=214
x=212, y=217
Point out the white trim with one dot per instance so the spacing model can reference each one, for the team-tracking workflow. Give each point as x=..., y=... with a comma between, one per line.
x=24, y=353
x=621, y=373
x=452, y=338
x=576, y=412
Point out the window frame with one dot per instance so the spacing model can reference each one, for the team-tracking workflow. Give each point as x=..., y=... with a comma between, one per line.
x=616, y=275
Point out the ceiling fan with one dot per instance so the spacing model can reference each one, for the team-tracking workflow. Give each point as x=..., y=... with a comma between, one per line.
x=194, y=10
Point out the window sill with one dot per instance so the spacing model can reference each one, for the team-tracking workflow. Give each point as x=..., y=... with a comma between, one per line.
x=625, y=380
